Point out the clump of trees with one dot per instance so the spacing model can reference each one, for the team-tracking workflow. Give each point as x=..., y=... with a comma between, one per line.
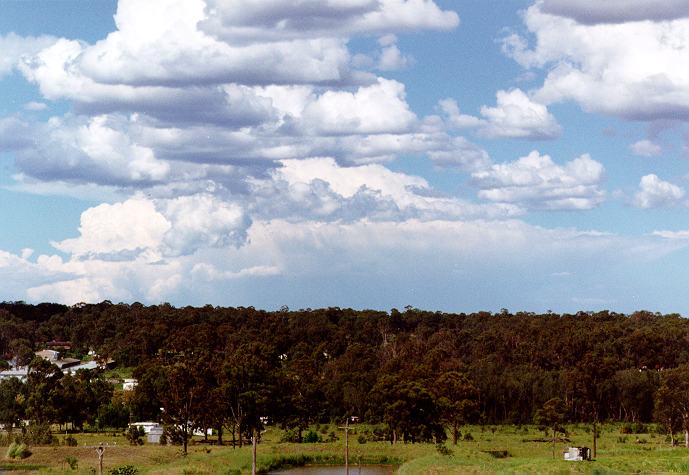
x=419, y=374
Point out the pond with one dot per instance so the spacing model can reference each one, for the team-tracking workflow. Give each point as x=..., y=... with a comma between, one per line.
x=338, y=470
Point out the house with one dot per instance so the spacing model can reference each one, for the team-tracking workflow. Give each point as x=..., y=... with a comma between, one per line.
x=577, y=454
x=54, y=357
x=155, y=434
x=20, y=373
x=146, y=426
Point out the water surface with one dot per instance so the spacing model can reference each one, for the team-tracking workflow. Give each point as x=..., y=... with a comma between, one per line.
x=338, y=470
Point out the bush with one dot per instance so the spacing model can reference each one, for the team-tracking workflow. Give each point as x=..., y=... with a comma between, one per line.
x=124, y=470
x=290, y=435
x=39, y=434
x=626, y=429
x=312, y=437
x=468, y=436
x=362, y=439
x=443, y=449
x=332, y=437
x=70, y=441
x=72, y=462
x=135, y=435
x=17, y=451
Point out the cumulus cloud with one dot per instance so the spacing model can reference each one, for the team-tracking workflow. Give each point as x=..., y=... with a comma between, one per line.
x=380, y=108
x=148, y=230
x=14, y=134
x=646, y=148
x=595, y=66
x=391, y=58
x=95, y=150
x=535, y=181
x=122, y=229
x=463, y=155
x=275, y=19
x=14, y=47
x=654, y=192
x=319, y=189
x=351, y=256
x=515, y=115
x=617, y=11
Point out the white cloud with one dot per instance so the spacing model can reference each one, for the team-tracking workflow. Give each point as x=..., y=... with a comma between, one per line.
x=535, y=181
x=14, y=134
x=617, y=11
x=202, y=221
x=319, y=189
x=127, y=228
x=646, y=148
x=455, y=117
x=14, y=47
x=391, y=58
x=654, y=192
x=147, y=230
x=463, y=155
x=380, y=108
x=275, y=19
x=517, y=116
x=94, y=150
x=35, y=106
x=355, y=255
x=595, y=66
x=681, y=235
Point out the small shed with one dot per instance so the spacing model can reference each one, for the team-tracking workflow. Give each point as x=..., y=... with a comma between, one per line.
x=577, y=454
x=154, y=434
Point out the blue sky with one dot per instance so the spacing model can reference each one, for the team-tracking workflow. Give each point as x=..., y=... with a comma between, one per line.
x=450, y=155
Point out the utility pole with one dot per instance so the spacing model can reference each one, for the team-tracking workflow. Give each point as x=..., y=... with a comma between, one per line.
x=346, y=429
x=253, y=450
x=100, y=451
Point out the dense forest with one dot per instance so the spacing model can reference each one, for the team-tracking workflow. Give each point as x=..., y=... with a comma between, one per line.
x=416, y=373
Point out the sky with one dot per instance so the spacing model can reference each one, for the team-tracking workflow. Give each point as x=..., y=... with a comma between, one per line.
x=449, y=155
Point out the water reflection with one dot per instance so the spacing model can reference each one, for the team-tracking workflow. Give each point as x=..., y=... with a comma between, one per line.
x=338, y=470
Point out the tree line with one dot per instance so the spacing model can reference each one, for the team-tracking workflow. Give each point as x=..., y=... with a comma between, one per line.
x=418, y=374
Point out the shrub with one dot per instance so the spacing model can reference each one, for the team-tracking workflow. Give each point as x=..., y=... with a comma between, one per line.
x=362, y=439
x=468, y=436
x=443, y=449
x=290, y=435
x=626, y=429
x=70, y=441
x=39, y=434
x=124, y=470
x=312, y=437
x=332, y=437
x=622, y=439
x=135, y=435
x=17, y=451
x=72, y=462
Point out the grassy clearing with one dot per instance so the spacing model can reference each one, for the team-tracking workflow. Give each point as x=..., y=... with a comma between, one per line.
x=617, y=454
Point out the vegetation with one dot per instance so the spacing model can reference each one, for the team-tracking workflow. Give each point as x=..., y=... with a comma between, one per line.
x=412, y=376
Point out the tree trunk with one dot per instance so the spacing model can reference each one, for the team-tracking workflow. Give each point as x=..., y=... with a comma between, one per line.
x=595, y=439
x=185, y=437
x=553, y=441
x=455, y=434
x=234, y=438
x=686, y=438
x=219, y=434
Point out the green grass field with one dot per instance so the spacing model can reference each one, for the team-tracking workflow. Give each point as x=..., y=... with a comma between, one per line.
x=617, y=454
